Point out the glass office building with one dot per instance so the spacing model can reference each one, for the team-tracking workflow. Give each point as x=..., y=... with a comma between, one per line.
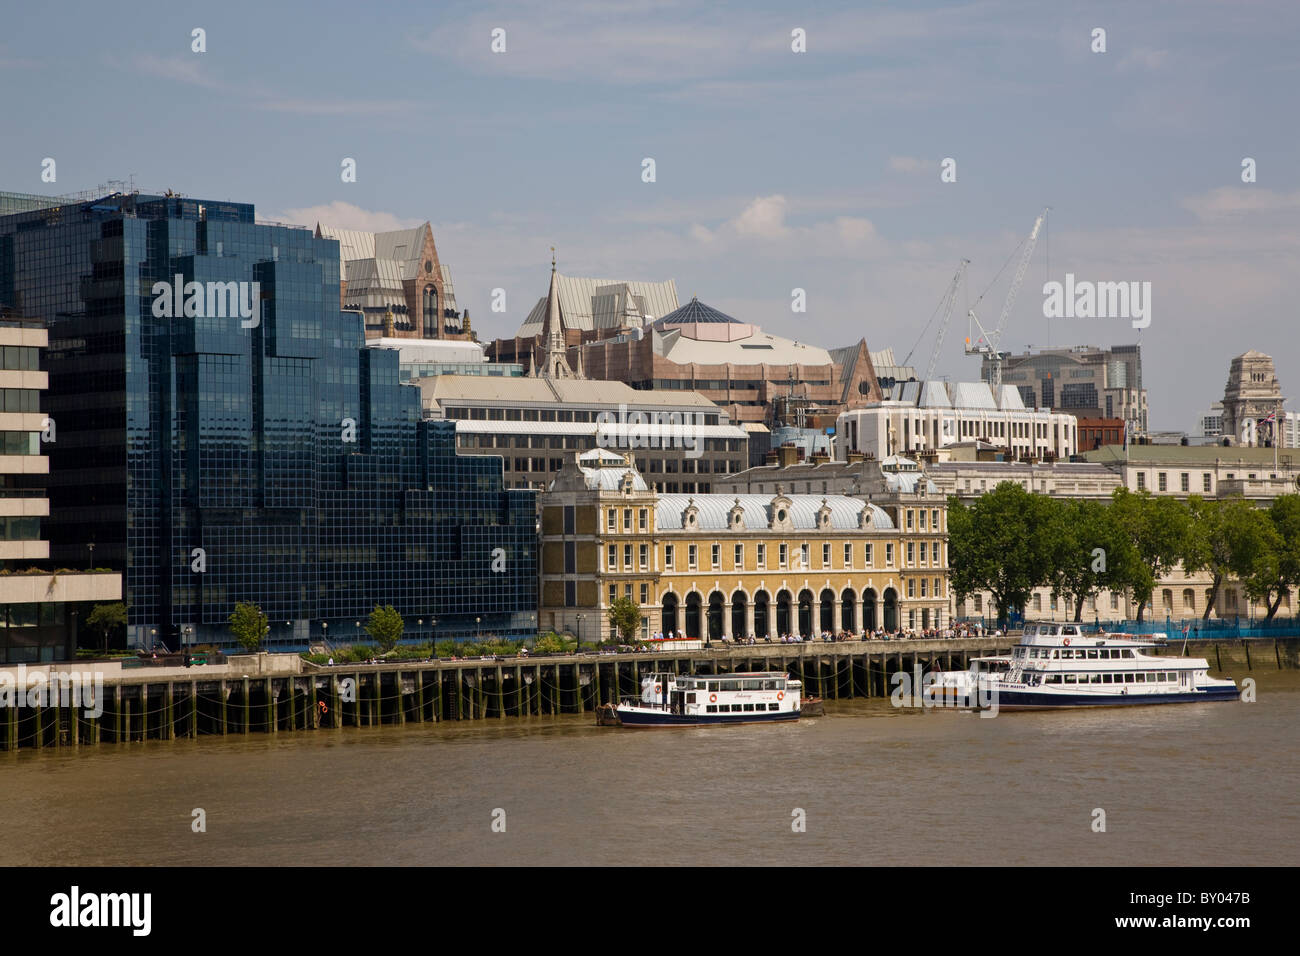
x=253, y=449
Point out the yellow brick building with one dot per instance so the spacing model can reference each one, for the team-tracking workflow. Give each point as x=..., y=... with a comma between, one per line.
x=735, y=565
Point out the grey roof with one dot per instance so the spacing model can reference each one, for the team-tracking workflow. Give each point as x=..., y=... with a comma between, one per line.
x=714, y=509
x=693, y=311
x=579, y=302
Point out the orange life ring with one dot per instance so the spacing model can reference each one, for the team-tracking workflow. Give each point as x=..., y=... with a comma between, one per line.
x=323, y=708
x=713, y=698
x=656, y=688
x=780, y=695
x=1065, y=641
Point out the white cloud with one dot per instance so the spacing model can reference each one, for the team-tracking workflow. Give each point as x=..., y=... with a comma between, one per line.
x=344, y=215
x=1235, y=201
x=763, y=218
x=911, y=164
x=180, y=69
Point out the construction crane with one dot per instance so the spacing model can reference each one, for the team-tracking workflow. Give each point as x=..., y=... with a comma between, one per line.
x=950, y=299
x=945, y=307
x=987, y=344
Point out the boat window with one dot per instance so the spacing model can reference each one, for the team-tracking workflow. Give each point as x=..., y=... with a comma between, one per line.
x=1092, y=653
x=1128, y=678
x=769, y=685
x=773, y=706
x=1105, y=654
x=731, y=685
x=1096, y=679
x=753, y=685
x=749, y=707
x=1055, y=654
x=1127, y=653
x=690, y=698
x=1141, y=678
x=1053, y=679
x=1105, y=678
x=712, y=708
x=713, y=685
x=1071, y=679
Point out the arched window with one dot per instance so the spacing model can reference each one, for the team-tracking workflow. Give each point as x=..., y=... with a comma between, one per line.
x=431, y=319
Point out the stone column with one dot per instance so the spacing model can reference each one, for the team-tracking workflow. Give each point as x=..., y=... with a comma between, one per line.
x=857, y=615
x=837, y=609
x=749, y=619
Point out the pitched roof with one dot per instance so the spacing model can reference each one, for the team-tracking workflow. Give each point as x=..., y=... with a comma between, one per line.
x=714, y=509
x=578, y=305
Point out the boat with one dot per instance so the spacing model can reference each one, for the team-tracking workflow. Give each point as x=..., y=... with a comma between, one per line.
x=957, y=686
x=1059, y=665
x=673, y=700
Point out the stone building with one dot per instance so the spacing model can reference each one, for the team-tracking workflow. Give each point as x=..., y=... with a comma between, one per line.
x=732, y=565
x=397, y=283
x=1252, y=400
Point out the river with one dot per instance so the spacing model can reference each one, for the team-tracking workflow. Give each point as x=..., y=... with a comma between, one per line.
x=1179, y=784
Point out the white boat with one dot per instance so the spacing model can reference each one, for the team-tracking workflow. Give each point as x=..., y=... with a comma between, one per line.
x=672, y=700
x=1059, y=665
x=956, y=686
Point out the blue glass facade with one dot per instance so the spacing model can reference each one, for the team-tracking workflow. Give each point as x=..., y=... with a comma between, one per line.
x=280, y=445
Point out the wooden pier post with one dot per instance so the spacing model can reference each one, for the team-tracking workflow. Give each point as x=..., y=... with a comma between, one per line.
x=171, y=712
x=117, y=713
x=272, y=707
x=459, y=683
x=194, y=709
x=246, y=708
x=419, y=694
x=126, y=706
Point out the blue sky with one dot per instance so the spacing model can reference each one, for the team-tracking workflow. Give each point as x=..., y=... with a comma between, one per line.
x=775, y=170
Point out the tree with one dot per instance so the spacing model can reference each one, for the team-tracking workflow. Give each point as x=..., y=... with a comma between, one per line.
x=1090, y=552
x=107, y=620
x=1002, y=543
x=551, y=643
x=626, y=616
x=248, y=625
x=385, y=627
x=1230, y=538
x=1277, y=576
x=1158, y=529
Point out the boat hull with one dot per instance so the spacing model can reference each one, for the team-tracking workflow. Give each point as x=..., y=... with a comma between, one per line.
x=1031, y=700
x=660, y=718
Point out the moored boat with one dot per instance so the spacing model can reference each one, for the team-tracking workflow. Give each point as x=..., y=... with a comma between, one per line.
x=673, y=700
x=1059, y=666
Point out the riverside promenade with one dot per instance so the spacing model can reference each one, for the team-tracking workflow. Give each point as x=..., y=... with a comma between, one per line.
x=282, y=693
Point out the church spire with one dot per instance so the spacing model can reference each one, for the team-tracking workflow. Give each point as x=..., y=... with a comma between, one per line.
x=554, y=362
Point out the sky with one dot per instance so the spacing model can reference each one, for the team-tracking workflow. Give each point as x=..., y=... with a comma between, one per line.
x=774, y=169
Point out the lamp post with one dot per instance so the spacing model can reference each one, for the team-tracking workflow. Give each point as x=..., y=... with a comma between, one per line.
x=477, y=633
x=324, y=632
x=581, y=617
x=91, y=548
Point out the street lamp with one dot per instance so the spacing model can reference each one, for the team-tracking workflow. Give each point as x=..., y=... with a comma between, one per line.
x=91, y=548
x=477, y=633
x=581, y=617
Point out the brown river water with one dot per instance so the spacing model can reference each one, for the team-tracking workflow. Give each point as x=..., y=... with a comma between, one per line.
x=1179, y=784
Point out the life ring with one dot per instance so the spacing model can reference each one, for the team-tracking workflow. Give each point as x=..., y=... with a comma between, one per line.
x=713, y=698
x=656, y=688
x=323, y=708
x=780, y=695
x=1065, y=641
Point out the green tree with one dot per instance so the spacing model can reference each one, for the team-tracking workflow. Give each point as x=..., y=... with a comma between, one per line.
x=107, y=620
x=1280, y=571
x=1230, y=538
x=625, y=615
x=248, y=625
x=1003, y=543
x=1158, y=529
x=1089, y=552
x=551, y=643
x=385, y=627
